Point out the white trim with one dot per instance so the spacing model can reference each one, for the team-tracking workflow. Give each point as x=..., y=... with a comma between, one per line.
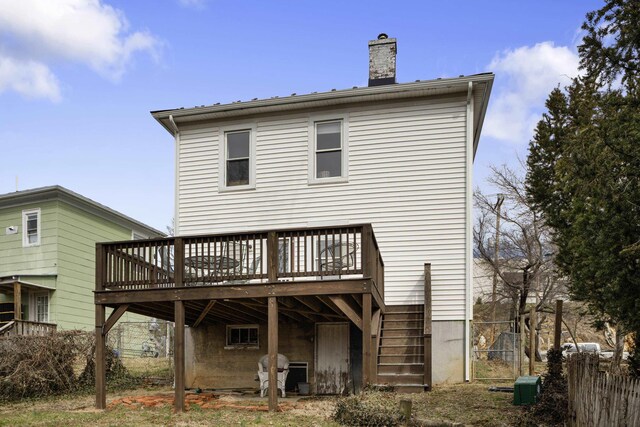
x=25, y=239
x=33, y=306
x=344, y=174
x=136, y=235
x=176, y=195
x=222, y=156
x=468, y=235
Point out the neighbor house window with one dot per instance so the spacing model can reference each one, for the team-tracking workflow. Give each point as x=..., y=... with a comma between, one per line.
x=328, y=151
x=42, y=308
x=38, y=310
x=242, y=336
x=31, y=228
x=237, y=158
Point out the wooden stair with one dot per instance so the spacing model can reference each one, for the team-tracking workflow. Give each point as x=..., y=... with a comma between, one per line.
x=401, y=350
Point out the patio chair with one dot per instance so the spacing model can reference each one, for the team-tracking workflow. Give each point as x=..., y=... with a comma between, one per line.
x=337, y=256
x=263, y=373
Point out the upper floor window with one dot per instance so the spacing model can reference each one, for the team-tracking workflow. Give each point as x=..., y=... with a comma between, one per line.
x=328, y=151
x=238, y=170
x=31, y=227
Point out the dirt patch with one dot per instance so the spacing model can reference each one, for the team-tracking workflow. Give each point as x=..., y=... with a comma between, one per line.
x=199, y=400
x=315, y=408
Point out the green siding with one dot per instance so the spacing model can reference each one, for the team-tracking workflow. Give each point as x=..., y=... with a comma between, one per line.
x=66, y=254
x=79, y=231
x=34, y=260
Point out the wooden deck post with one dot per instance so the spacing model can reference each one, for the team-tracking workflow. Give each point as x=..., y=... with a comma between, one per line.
x=272, y=256
x=367, y=251
x=17, y=301
x=178, y=404
x=366, y=340
x=101, y=380
x=178, y=261
x=273, y=352
x=428, y=359
x=558, y=326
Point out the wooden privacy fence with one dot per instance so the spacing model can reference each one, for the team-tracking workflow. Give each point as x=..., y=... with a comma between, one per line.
x=599, y=398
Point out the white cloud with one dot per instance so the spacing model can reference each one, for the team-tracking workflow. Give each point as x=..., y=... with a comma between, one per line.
x=37, y=33
x=29, y=78
x=198, y=4
x=524, y=78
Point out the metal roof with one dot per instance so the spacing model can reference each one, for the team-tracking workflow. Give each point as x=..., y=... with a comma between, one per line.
x=57, y=192
x=420, y=88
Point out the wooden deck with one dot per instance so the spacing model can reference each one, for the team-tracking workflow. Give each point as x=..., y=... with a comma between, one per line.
x=293, y=275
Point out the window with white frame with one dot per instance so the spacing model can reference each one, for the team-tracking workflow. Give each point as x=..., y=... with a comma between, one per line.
x=39, y=306
x=42, y=308
x=328, y=151
x=242, y=336
x=238, y=155
x=31, y=229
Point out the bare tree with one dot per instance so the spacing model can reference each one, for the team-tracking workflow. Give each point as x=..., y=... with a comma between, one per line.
x=524, y=264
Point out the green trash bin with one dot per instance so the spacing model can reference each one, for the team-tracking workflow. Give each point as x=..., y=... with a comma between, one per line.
x=526, y=390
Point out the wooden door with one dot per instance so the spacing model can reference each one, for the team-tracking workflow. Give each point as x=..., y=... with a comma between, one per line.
x=332, y=358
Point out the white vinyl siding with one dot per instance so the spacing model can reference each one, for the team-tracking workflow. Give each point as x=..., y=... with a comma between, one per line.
x=407, y=176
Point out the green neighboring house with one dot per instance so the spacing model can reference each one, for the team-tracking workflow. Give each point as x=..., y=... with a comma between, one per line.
x=47, y=257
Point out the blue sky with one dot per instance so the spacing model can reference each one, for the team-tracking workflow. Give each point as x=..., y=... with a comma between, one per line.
x=79, y=77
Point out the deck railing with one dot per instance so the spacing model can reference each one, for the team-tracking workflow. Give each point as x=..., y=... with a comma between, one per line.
x=255, y=257
x=27, y=327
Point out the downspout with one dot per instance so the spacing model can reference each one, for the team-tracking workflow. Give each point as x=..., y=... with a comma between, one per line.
x=469, y=237
x=176, y=135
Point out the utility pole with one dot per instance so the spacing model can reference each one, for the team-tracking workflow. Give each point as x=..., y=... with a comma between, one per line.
x=496, y=256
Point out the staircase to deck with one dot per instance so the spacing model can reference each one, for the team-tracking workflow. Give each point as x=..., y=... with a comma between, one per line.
x=401, y=352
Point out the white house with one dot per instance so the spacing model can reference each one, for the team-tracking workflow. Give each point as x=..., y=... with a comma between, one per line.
x=397, y=156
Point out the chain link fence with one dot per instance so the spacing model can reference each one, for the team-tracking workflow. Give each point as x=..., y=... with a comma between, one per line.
x=145, y=349
x=495, y=351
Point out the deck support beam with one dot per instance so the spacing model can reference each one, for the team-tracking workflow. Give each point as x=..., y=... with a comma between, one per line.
x=178, y=404
x=204, y=313
x=366, y=340
x=113, y=318
x=341, y=302
x=376, y=323
x=101, y=383
x=273, y=352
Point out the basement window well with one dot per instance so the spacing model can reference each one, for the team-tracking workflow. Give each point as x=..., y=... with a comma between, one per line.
x=242, y=336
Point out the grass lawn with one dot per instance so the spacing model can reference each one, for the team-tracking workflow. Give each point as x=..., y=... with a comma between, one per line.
x=470, y=404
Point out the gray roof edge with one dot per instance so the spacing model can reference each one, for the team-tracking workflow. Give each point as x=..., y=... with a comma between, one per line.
x=159, y=115
x=52, y=192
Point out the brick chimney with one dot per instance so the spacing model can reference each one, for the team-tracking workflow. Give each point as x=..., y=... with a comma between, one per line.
x=382, y=61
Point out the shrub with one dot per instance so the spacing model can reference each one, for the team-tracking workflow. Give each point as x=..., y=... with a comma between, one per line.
x=551, y=409
x=367, y=409
x=63, y=362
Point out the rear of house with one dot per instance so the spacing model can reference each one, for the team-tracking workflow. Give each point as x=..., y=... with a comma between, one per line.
x=333, y=228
